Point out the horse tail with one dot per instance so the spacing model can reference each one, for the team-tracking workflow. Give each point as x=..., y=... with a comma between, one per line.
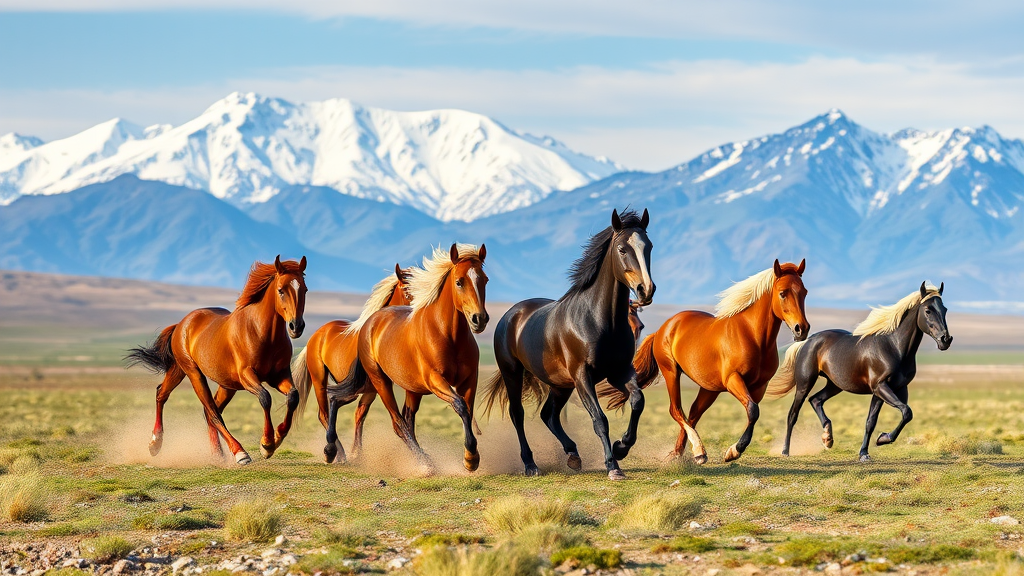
x=784, y=380
x=157, y=357
x=302, y=381
x=646, y=374
x=494, y=392
x=350, y=384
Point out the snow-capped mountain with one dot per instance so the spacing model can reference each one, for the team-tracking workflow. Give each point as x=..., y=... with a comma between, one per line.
x=450, y=164
x=13, y=143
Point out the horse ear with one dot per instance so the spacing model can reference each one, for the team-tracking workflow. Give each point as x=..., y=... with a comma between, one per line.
x=778, y=268
x=924, y=290
x=398, y=271
x=645, y=219
x=302, y=264
x=803, y=265
x=454, y=253
x=482, y=252
x=616, y=221
x=941, y=286
x=277, y=265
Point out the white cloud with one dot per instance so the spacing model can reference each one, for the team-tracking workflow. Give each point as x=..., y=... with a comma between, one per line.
x=648, y=119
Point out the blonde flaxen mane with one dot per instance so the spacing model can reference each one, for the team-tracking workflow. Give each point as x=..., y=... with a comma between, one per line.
x=379, y=297
x=744, y=293
x=425, y=283
x=885, y=319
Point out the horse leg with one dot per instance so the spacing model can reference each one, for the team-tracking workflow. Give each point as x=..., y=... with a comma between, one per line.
x=818, y=403
x=621, y=447
x=585, y=388
x=472, y=458
x=445, y=391
x=672, y=375
x=513, y=378
x=898, y=400
x=385, y=389
x=869, y=426
x=409, y=410
x=172, y=378
x=252, y=383
x=551, y=414
x=803, y=388
x=213, y=418
x=362, y=409
x=222, y=398
x=333, y=448
x=738, y=388
x=287, y=387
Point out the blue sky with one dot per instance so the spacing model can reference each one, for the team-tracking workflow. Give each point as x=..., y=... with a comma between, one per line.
x=647, y=83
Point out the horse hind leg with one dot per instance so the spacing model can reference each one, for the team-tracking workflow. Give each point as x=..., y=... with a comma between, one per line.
x=171, y=380
x=551, y=415
x=738, y=388
x=897, y=399
x=818, y=404
x=362, y=409
x=804, y=384
x=672, y=374
x=513, y=378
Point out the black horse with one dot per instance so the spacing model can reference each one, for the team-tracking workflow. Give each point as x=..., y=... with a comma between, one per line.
x=878, y=358
x=550, y=348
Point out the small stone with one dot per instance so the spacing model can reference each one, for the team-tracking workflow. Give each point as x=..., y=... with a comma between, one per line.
x=382, y=484
x=398, y=562
x=122, y=566
x=674, y=484
x=288, y=559
x=75, y=563
x=37, y=573
x=280, y=540
x=271, y=553
x=181, y=563
x=834, y=568
x=713, y=571
x=1005, y=521
x=694, y=525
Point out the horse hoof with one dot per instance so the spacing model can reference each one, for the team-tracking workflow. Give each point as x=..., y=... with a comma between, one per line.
x=471, y=462
x=532, y=471
x=616, y=474
x=826, y=436
x=154, y=445
x=574, y=461
x=700, y=459
x=865, y=458
x=331, y=452
x=267, y=451
x=242, y=458
x=732, y=454
x=620, y=450
x=883, y=439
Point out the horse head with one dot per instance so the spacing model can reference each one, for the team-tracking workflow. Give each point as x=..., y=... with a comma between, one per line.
x=470, y=287
x=931, y=316
x=788, y=294
x=290, y=287
x=631, y=257
x=635, y=323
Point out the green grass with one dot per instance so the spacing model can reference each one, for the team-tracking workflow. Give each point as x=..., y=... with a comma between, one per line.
x=586, y=556
x=252, y=521
x=106, y=549
x=686, y=543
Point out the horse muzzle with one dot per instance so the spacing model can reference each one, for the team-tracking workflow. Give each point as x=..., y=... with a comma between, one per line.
x=478, y=321
x=800, y=332
x=944, y=341
x=295, y=328
x=644, y=293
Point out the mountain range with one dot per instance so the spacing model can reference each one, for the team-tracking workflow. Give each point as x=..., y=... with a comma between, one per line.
x=357, y=189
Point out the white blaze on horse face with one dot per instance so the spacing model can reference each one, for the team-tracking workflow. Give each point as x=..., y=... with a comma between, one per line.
x=295, y=286
x=474, y=277
x=638, y=247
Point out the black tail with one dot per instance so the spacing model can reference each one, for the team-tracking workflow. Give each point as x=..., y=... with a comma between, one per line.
x=157, y=357
x=349, y=385
x=646, y=374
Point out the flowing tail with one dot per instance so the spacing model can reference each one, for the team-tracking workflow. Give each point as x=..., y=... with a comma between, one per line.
x=303, y=383
x=783, y=381
x=495, y=392
x=157, y=357
x=646, y=374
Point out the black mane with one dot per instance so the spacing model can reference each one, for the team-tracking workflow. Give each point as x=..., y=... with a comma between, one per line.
x=584, y=270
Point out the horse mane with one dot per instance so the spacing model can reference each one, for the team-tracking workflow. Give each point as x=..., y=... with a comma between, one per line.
x=885, y=319
x=260, y=276
x=742, y=295
x=584, y=270
x=425, y=283
x=379, y=297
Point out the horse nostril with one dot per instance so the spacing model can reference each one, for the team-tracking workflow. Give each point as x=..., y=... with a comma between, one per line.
x=475, y=318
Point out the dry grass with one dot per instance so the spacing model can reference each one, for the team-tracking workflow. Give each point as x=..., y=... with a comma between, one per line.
x=106, y=549
x=507, y=560
x=22, y=498
x=657, y=514
x=252, y=521
x=515, y=514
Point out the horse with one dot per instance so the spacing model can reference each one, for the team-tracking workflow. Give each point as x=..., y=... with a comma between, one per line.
x=733, y=350
x=331, y=351
x=878, y=358
x=551, y=347
x=426, y=348
x=635, y=323
x=238, y=350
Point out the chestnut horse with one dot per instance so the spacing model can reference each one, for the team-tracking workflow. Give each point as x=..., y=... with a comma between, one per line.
x=878, y=358
x=238, y=350
x=331, y=351
x=635, y=323
x=426, y=348
x=552, y=347
x=734, y=350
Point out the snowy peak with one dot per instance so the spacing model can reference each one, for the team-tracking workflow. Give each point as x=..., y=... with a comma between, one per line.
x=246, y=148
x=14, y=142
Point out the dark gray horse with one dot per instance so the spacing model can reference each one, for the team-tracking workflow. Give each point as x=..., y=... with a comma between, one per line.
x=878, y=358
x=552, y=347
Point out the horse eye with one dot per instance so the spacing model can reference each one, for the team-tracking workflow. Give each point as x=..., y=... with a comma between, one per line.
x=622, y=249
x=458, y=283
x=782, y=295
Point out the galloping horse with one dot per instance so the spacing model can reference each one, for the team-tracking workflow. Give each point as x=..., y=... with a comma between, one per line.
x=238, y=350
x=878, y=358
x=635, y=323
x=426, y=348
x=554, y=347
x=331, y=351
x=734, y=350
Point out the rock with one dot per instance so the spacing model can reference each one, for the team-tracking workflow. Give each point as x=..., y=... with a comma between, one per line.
x=569, y=565
x=713, y=572
x=398, y=563
x=272, y=552
x=694, y=525
x=288, y=559
x=122, y=567
x=181, y=563
x=280, y=540
x=674, y=484
x=382, y=484
x=37, y=573
x=834, y=568
x=1005, y=521
x=75, y=563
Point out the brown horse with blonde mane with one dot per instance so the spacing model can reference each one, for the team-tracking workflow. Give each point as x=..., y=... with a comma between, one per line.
x=331, y=352
x=427, y=348
x=238, y=350
x=733, y=350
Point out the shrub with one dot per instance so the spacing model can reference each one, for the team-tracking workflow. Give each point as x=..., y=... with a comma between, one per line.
x=741, y=528
x=183, y=522
x=22, y=498
x=106, y=549
x=427, y=540
x=588, y=556
x=657, y=513
x=507, y=560
x=331, y=562
x=687, y=543
x=252, y=522
x=548, y=537
x=513, y=515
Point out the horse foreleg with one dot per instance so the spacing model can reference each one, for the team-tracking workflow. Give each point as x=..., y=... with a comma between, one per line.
x=620, y=448
x=803, y=388
x=551, y=414
x=172, y=378
x=512, y=378
x=409, y=410
x=214, y=420
x=461, y=404
x=251, y=382
x=585, y=388
x=362, y=409
x=385, y=389
x=898, y=400
x=738, y=388
x=818, y=404
x=286, y=387
x=869, y=426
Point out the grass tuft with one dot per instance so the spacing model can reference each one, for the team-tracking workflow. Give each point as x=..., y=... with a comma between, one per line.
x=337, y=560
x=548, y=537
x=935, y=554
x=741, y=528
x=22, y=498
x=254, y=521
x=507, y=560
x=686, y=543
x=442, y=539
x=585, y=556
x=657, y=514
x=513, y=515
x=106, y=549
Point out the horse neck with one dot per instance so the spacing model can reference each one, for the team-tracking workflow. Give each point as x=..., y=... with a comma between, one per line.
x=262, y=317
x=907, y=336
x=606, y=299
x=762, y=320
x=445, y=318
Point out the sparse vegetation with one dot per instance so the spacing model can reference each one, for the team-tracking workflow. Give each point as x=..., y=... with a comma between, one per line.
x=686, y=543
x=508, y=560
x=253, y=521
x=515, y=514
x=22, y=498
x=657, y=514
x=586, y=556
x=106, y=549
